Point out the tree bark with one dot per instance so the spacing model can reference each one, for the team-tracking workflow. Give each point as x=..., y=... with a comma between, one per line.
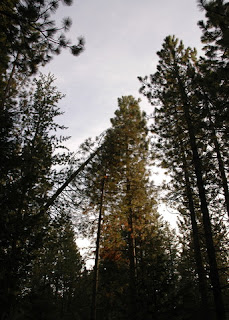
x=96, y=267
x=66, y=183
x=220, y=162
x=6, y=91
x=214, y=274
x=132, y=258
x=196, y=241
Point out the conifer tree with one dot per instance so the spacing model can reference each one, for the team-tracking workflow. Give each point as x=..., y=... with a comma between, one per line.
x=179, y=120
x=128, y=137
x=215, y=31
x=28, y=39
x=55, y=274
x=132, y=236
x=27, y=182
x=213, y=81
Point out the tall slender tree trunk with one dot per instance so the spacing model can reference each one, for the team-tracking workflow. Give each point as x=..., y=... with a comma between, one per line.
x=222, y=171
x=220, y=162
x=96, y=267
x=196, y=241
x=6, y=91
x=195, y=234
x=214, y=274
x=132, y=258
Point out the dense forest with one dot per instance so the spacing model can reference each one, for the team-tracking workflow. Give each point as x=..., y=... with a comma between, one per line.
x=143, y=269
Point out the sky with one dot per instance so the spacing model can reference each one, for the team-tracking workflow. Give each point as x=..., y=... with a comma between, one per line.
x=122, y=38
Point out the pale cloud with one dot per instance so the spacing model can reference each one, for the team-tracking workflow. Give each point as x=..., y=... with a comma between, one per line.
x=122, y=38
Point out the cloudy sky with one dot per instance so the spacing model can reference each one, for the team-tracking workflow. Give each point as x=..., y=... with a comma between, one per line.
x=122, y=38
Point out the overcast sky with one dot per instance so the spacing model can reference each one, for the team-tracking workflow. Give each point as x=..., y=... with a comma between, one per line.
x=122, y=38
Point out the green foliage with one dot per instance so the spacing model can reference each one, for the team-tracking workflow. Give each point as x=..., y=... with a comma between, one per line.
x=215, y=34
x=137, y=256
x=56, y=272
x=141, y=274
x=29, y=37
x=26, y=179
x=187, y=135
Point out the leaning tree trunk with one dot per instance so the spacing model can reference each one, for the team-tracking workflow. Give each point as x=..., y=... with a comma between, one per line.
x=52, y=199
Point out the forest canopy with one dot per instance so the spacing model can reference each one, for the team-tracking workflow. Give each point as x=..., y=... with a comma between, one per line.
x=143, y=269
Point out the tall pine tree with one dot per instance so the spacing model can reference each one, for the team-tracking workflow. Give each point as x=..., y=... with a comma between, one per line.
x=180, y=121
x=135, y=249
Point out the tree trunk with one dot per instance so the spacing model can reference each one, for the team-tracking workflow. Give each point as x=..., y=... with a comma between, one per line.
x=132, y=259
x=220, y=163
x=6, y=91
x=195, y=234
x=196, y=241
x=214, y=275
x=96, y=267
x=66, y=183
